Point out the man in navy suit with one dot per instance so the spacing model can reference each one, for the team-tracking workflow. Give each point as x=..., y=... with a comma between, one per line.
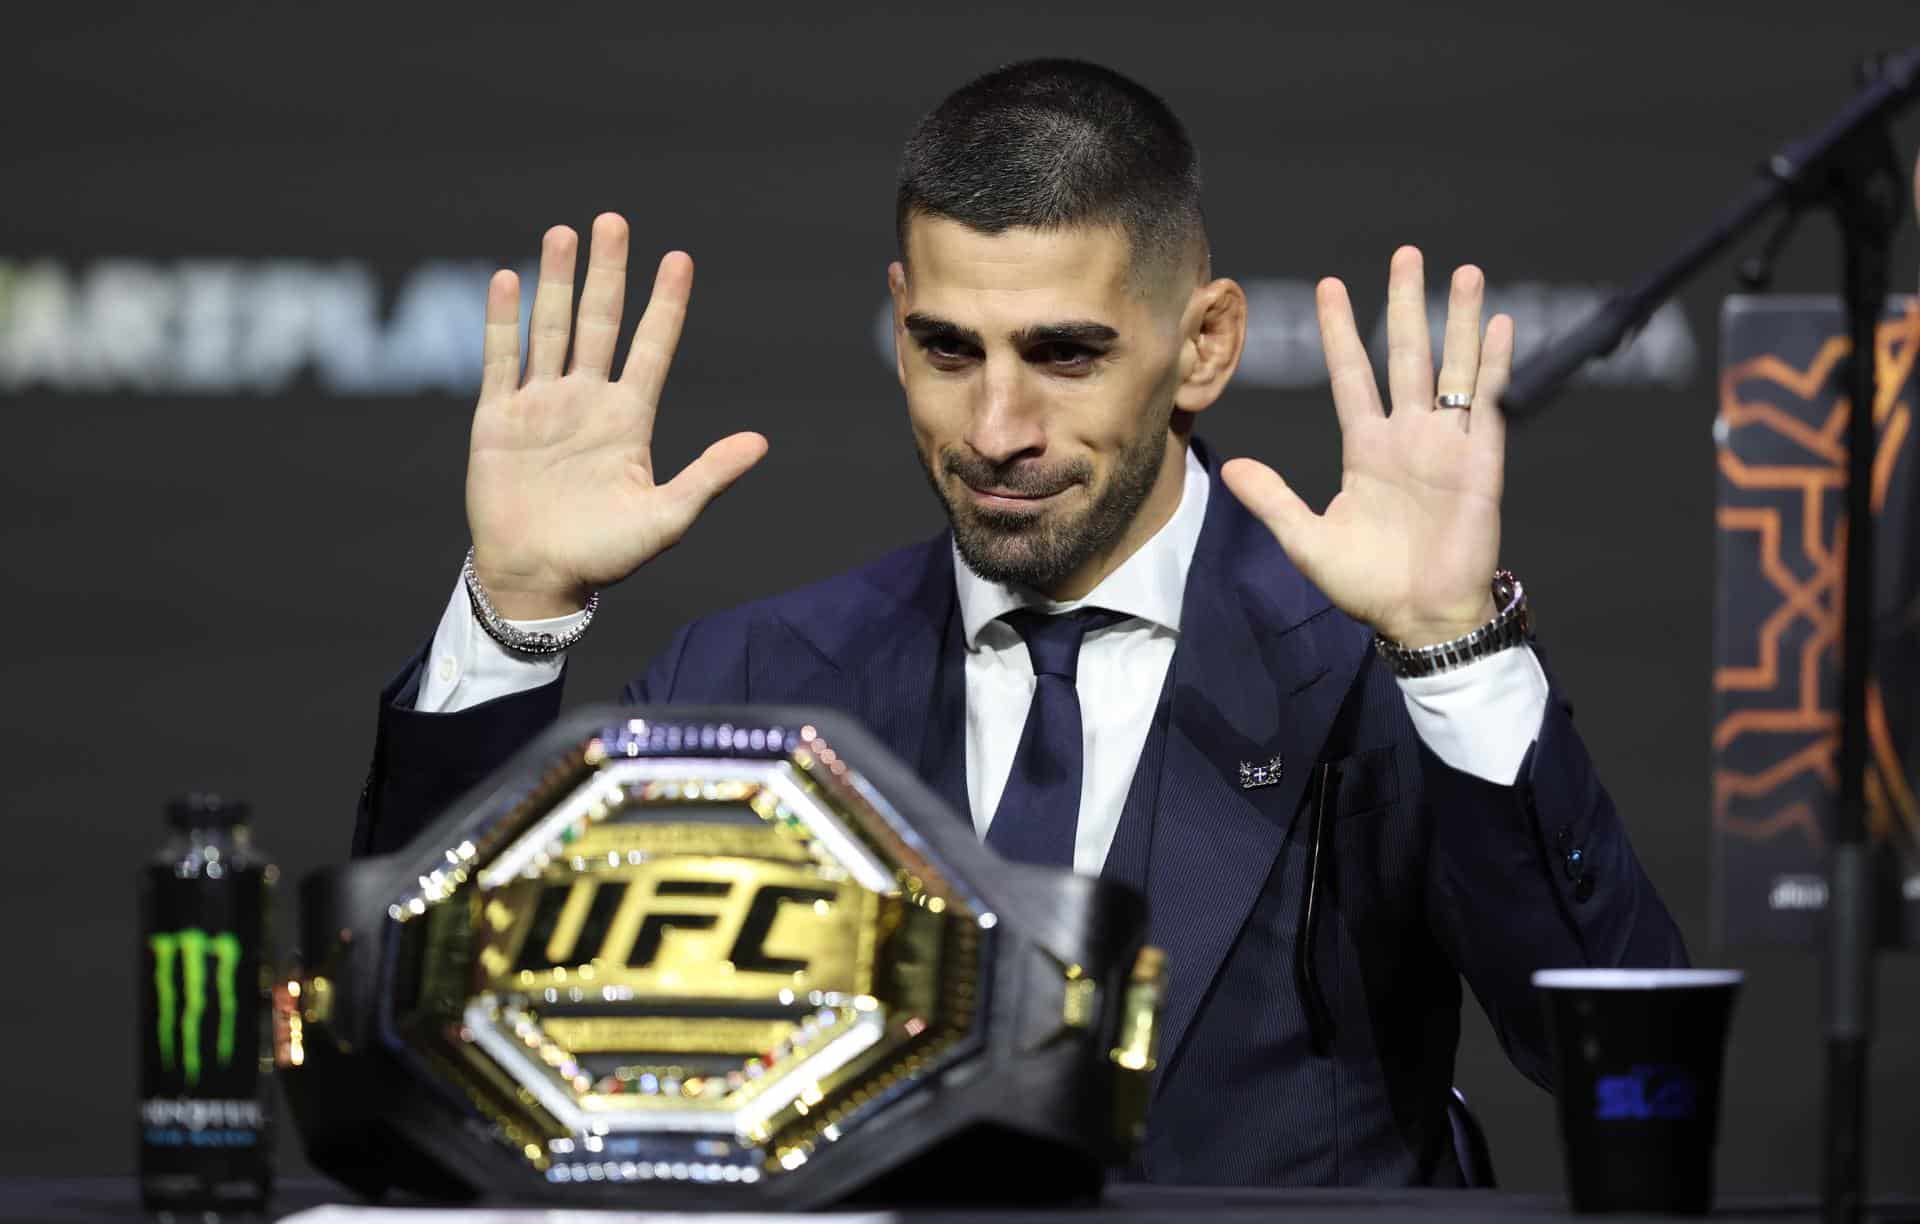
x=1320, y=743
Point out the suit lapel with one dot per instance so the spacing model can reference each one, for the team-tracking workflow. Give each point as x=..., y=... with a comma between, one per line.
x=943, y=754
x=890, y=650
x=913, y=696
x=1259, y=673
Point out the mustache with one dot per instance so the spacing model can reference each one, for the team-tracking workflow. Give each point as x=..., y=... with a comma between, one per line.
x=1021, y=477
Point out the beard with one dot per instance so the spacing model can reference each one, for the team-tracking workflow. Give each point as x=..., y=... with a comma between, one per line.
x=1041, y=548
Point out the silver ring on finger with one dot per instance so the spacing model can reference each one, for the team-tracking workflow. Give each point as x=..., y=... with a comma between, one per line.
x=1453, y=399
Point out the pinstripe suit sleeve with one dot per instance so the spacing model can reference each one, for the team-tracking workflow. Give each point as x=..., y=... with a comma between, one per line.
x=1537, y=875
x=424, y=761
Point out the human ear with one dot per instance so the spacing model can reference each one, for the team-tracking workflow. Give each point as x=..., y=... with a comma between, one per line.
x=897, y=287
x=1213, y=332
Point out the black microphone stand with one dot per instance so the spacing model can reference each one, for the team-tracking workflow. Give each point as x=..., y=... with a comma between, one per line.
x=1849, y=168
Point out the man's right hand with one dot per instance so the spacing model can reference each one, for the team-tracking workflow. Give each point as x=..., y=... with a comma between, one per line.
x=561, y=496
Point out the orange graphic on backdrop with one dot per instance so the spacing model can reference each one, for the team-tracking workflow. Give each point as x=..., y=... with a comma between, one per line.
x=1816, y=598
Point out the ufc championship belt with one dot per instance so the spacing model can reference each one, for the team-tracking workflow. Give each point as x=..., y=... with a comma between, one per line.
x=730, y=958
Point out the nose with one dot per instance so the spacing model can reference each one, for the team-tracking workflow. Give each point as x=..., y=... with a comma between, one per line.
x=1006, y=421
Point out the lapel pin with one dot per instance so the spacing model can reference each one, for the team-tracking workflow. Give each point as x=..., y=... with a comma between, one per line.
x=1263, y=773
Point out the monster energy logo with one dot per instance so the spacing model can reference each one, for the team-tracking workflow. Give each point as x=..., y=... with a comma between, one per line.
x=180, y=1014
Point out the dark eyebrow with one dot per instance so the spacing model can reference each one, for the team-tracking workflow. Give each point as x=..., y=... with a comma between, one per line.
x=1078, y=331
x=925, y=327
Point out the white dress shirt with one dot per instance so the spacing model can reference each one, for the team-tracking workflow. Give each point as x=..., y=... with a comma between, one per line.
x=1480, y=719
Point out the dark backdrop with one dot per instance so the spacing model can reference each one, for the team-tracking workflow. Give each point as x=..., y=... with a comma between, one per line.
x=206, y=587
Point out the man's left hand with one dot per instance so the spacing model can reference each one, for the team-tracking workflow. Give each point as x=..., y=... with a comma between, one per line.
x=1408, y=545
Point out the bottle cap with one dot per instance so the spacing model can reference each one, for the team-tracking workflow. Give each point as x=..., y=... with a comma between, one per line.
x=206, y=810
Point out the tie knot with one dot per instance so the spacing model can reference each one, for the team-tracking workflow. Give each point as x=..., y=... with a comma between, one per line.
x=1053, y=642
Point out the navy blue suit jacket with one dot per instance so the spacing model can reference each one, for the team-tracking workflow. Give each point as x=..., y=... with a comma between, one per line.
x=1429, y=875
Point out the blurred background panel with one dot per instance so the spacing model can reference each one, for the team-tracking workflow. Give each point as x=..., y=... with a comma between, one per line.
x=242, y=255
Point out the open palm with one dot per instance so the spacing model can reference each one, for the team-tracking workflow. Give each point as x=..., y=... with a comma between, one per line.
x=1410, y=542
x=562, y=496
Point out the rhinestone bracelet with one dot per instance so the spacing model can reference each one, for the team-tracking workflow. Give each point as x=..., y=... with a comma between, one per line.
x=510, y=635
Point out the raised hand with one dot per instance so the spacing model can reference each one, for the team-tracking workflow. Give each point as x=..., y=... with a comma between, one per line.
x=561, y=492
x=1409, y=543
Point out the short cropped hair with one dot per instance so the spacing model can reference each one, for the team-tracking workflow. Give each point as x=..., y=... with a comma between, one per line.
x=1053, y=143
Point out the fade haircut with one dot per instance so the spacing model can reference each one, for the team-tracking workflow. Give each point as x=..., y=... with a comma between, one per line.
x=1049, y=144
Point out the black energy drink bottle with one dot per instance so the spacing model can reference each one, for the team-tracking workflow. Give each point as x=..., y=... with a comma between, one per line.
x=205, y=1130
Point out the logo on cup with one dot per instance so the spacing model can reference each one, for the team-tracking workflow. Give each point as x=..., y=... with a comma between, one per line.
x=1665, y=1093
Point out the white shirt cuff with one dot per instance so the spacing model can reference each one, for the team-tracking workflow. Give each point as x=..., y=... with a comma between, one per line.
x=466, y=667
x=1481, y=718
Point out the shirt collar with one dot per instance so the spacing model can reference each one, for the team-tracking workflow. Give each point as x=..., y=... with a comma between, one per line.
x=1150, y=584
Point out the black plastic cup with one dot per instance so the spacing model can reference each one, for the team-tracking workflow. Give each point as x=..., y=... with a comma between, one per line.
x=1638, y=1055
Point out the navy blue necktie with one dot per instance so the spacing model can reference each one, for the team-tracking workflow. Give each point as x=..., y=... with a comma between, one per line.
x=1040, y=807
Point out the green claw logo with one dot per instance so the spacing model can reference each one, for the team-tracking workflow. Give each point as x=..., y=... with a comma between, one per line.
x=186, y=1007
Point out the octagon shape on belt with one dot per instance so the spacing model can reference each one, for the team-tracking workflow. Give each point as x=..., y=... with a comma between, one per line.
x=684, y=967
